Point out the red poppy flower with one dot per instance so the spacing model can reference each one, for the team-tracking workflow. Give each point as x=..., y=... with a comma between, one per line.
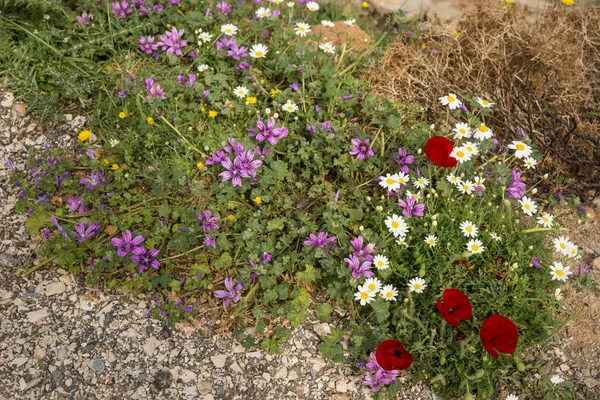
x=459, y=262
x=454, y=306
x=391, y=355
x=438, y=150
x=500, y=268
x=498, y=333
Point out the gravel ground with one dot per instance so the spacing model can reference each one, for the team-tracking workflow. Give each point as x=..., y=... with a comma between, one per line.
x=62, y=340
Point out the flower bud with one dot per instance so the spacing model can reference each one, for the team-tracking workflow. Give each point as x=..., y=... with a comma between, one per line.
x=425, y=224
x=434, y=223
x=534, y=191
x=545, y=176
x=368, y=198
x=419, y=151
x=361, y=228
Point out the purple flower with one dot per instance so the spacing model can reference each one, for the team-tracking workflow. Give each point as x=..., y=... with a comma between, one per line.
x=237, y=52
x=163, y=314
x=216, y=158
x=122, y=94
x=83, y=232
x=232, y=292
x=276, y=13
x=75, y=204
x=234, y=147
x=224, y=43
x=148, y=46
x=361, y=149
x=359, y=269
x=96, y=180
x=266, y=257
x=193, y=54
x=10, y=165
x=463, y=107
x=585, y=270
x=294, y=87
x=404, y=160
x=209, y=241
x=46, y=233
x=348, y=96
x=359, y=251
x=205, y=94
x=381, y=377
x=248, y=164
x=252, y=277
x=223, y=7
x=208, y=221
x=243, y=65
x=172, y=42
x=145, y=258
x=192, y=79
x=318, y=108
x=515, y=189
x=337, y=195
x=174, y=1
x=122, y=9
x=581, y=208
x=60, y=228
x=321, y=240
x=187, y=308
x=84, y=19
x=410, y=208
x=155, y=91
x=233, y=171
x=268, y=132
x=127, y=244
x=312, y=129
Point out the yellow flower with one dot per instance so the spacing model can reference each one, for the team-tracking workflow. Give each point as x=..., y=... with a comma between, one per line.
x=168, y=26
x=257, y=200
x=423, y=46
x=114, y=167
x=262, y=81
x=230, y=103
x=121, y=115
x=200, y=165
x=504, y=8
x=84, y=135
x=212, y=113
x=251, y=100
x=274, y=92
x=365, y=4
x=456, y=33
x=150, y=120
x=202, y=109
x=568, y=2
x=105, y=161
x=509, y=1
x=101, y=87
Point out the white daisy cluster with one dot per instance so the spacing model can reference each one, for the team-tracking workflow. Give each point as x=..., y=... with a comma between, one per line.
x=371, y=288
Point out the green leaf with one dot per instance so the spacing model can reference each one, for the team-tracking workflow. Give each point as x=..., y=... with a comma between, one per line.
x=324, y=312
x=280, y=169
x=275, y=224
x=332, y=350
x=309, y=275
x=164, y=210
x=381, y=308
x=224, y=261
x=37, y=220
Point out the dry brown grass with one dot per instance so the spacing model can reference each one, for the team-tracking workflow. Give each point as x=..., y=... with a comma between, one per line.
x=543, y=73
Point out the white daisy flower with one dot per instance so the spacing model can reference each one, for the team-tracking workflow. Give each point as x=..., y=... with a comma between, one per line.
x=431, y=240
x=328, y=24
x=327, y=47
x=521, y=149
x=372, y=284
x=417, y=285
x=350, y=22
x=389, y=293
x=202, y=67
x=483, y=132
x=495, y=236
x=205, y=37
x=528, y=205
x=453, y=179
x=573, y=251
x=229, y=29
x=530, y=162
x=558, y=295
x=559, y=272
x=479, y=181
x=421, y=182
x=402, y=241
x=484, y=103
x=467, y=187
x=511, y=396
x=312, y=6
x=263, y=12
x=451, y=100
x=475, y=246
x=461, y=130
x=402, y=178
x=396, y=225
x=364, y=295
x=471, y=148
x=302, y=28
x=461, y=154
x=240, y=91
x=545, y=220
x=113, y=142
x=563, y=245
x=468, y=229
x=276, y=1
x=381, y=262
x=417, y=196
x=389, y=182
x=291, y=4
x=290, y=106
x=258, y=51
x=556, y=379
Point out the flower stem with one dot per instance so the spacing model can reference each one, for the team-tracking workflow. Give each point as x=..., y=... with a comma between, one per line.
x=571, y=318
x=40, y=265
x=182, y=254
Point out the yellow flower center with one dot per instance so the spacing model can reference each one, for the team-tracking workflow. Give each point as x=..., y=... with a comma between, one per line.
x=416, y=286
x=563, y=246
x=395, y=225
x=483, y=128
x=401, y=181
x=469, y=148
x=520, y=147
x=559, y=272
x=389, y=181
x=228, y=30
x=460, y=154
x=364, y=295
x=527, y=206
x=380, y=263
x=372, y=286
x=462, y=130
x=546, y=219
x=465, y=187
x=389, y=295
x=430, y=241
x=474, y=247
x=259, y=54
x=469, y=229
x=485, y=102
x=451, y=99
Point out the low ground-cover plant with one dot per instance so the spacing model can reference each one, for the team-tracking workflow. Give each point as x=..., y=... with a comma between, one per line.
x=234, y=157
